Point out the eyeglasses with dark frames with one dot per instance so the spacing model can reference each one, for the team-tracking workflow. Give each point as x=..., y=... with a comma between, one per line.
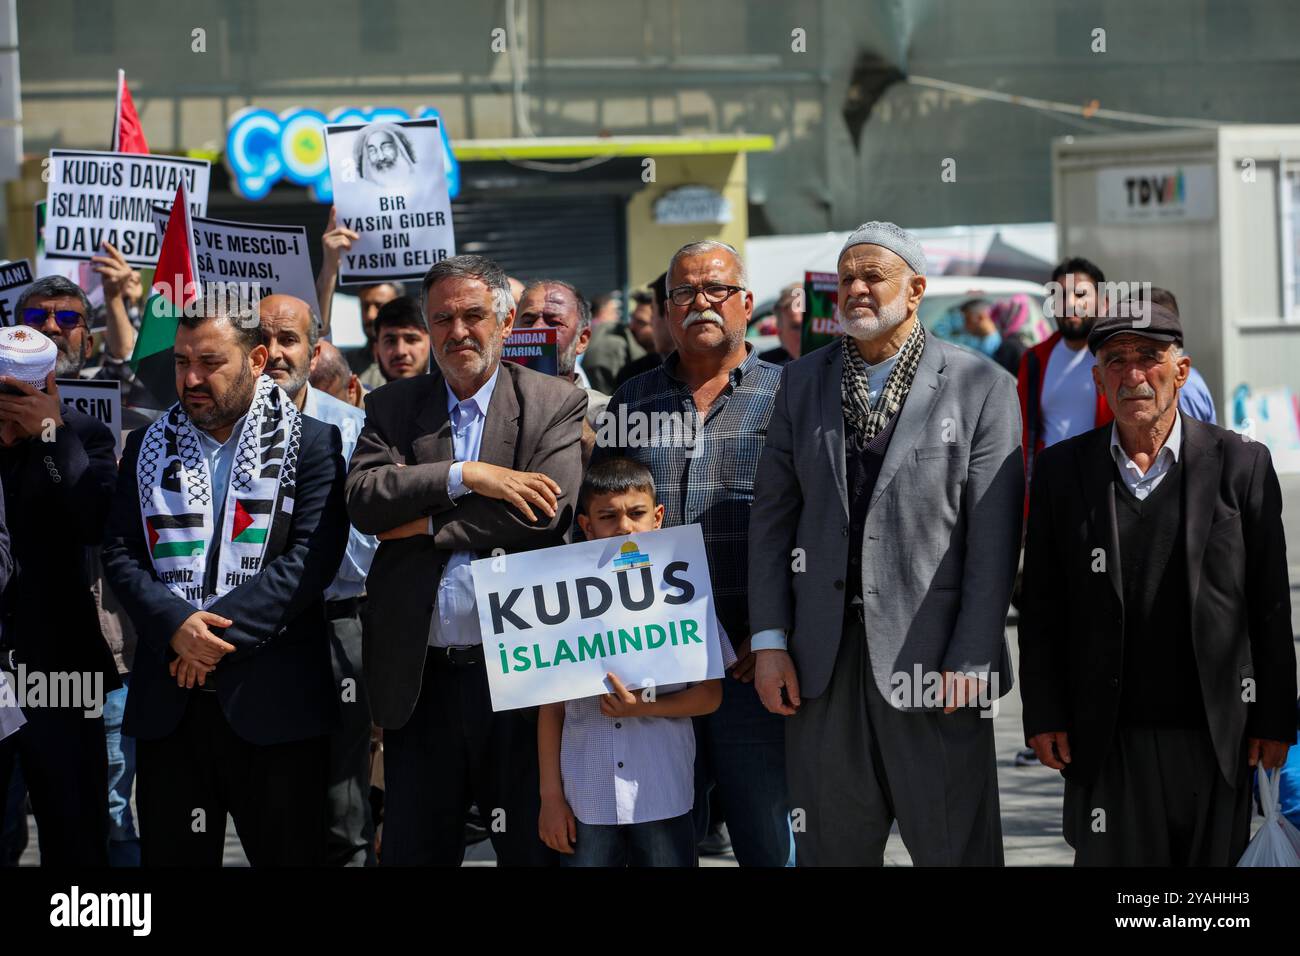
x=66, y=318
x=715, y=292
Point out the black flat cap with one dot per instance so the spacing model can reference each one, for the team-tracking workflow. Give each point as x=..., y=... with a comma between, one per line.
x=1144, y=318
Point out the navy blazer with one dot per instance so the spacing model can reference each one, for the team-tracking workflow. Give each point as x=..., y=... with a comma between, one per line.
x=277, y=685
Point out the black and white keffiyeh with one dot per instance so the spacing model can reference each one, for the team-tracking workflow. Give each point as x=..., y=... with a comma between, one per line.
x=859, y=414
x=178, y=504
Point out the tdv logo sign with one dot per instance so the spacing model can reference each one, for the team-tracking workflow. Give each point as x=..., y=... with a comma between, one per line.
x=1157, y=190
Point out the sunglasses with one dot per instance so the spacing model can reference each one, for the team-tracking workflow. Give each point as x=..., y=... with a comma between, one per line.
x=66, y=318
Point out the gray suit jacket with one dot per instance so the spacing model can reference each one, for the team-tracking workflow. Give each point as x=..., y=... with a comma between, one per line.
x=942, y=536
x=534, y=423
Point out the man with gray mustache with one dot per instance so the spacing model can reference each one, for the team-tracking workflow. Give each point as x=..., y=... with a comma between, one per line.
x=705, y=474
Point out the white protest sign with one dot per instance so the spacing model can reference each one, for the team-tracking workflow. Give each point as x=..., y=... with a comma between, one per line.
x=98, y=197
x=555, y=621
x=275, y=258
x=14, y=277
x=98, y=398
x=390, y=187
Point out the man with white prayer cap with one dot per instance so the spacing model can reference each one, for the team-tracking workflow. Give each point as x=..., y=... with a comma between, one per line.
x=58, y=467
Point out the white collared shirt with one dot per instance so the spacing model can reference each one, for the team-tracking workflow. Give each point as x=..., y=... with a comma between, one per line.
x=455, y=619
x=350, y=581
x=1141, y=484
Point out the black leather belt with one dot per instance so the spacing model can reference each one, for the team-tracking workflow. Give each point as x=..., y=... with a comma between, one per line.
x=456, y=656
x=347, y=607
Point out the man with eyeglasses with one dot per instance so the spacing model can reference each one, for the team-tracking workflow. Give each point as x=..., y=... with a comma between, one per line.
x=716, y=395
x=58, y=309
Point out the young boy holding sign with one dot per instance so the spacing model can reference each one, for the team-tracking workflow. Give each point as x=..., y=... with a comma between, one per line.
x=618, y=769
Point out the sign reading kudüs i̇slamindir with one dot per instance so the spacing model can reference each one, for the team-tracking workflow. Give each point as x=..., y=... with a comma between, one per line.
x=95, y=197
x=555, y=621
x=390, y=187
x=273, y=258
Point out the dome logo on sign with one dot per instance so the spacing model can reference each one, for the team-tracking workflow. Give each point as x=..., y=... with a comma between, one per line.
x=629, y=557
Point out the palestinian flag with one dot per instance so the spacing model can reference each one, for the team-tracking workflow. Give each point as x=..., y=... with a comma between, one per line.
x=128, y=134
x=175, y=536
x=175, y=285
x=252, y=520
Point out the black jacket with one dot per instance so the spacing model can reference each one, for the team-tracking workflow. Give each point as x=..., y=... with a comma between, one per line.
x=1072, y=617
x=277, y=685
x=56, y=498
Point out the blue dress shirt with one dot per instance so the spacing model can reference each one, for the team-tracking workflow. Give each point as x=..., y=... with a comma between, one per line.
x=455, y=619
x=350, y=582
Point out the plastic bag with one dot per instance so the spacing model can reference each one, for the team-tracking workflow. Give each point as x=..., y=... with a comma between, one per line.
x=1277, y=842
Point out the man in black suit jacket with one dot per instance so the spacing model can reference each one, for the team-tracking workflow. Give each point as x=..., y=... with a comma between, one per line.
x=451, y=466
x=58, y=468
x=232, y=693
x=1157, y=662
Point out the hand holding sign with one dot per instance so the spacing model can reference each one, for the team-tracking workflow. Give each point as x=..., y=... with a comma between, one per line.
x=621, y=703
x=114, y=269
x=336, y=241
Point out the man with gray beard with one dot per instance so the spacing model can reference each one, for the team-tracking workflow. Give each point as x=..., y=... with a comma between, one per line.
x=291, y=334
x=478, y=457
x=882, y=645
x=555, y=304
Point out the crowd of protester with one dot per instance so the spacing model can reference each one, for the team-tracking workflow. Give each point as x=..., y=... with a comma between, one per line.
x=308, y=660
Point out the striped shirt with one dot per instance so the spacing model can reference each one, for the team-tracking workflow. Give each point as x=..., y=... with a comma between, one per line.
x=620, y=770
x=702, y=474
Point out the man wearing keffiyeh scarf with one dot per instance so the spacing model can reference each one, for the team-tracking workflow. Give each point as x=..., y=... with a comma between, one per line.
x=885, y=645
x=226, y=527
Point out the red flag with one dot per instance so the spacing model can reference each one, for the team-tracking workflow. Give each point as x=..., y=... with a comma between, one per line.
x=176, y=277
x=175, y=285
x=128, y=134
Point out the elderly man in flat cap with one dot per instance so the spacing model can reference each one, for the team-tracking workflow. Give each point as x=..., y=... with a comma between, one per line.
x=883, y=544
x=1157, y=663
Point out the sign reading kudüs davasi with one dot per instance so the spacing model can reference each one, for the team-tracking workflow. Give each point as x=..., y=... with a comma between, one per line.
x=555, y=622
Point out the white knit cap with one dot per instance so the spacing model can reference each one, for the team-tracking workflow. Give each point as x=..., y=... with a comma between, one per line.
x=894, y=238
x=26, y=354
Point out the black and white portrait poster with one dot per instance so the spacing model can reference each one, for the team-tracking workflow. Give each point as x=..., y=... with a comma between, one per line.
x=390, y=187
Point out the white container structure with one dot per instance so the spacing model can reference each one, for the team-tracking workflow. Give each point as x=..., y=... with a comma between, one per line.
x=1213, y=215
